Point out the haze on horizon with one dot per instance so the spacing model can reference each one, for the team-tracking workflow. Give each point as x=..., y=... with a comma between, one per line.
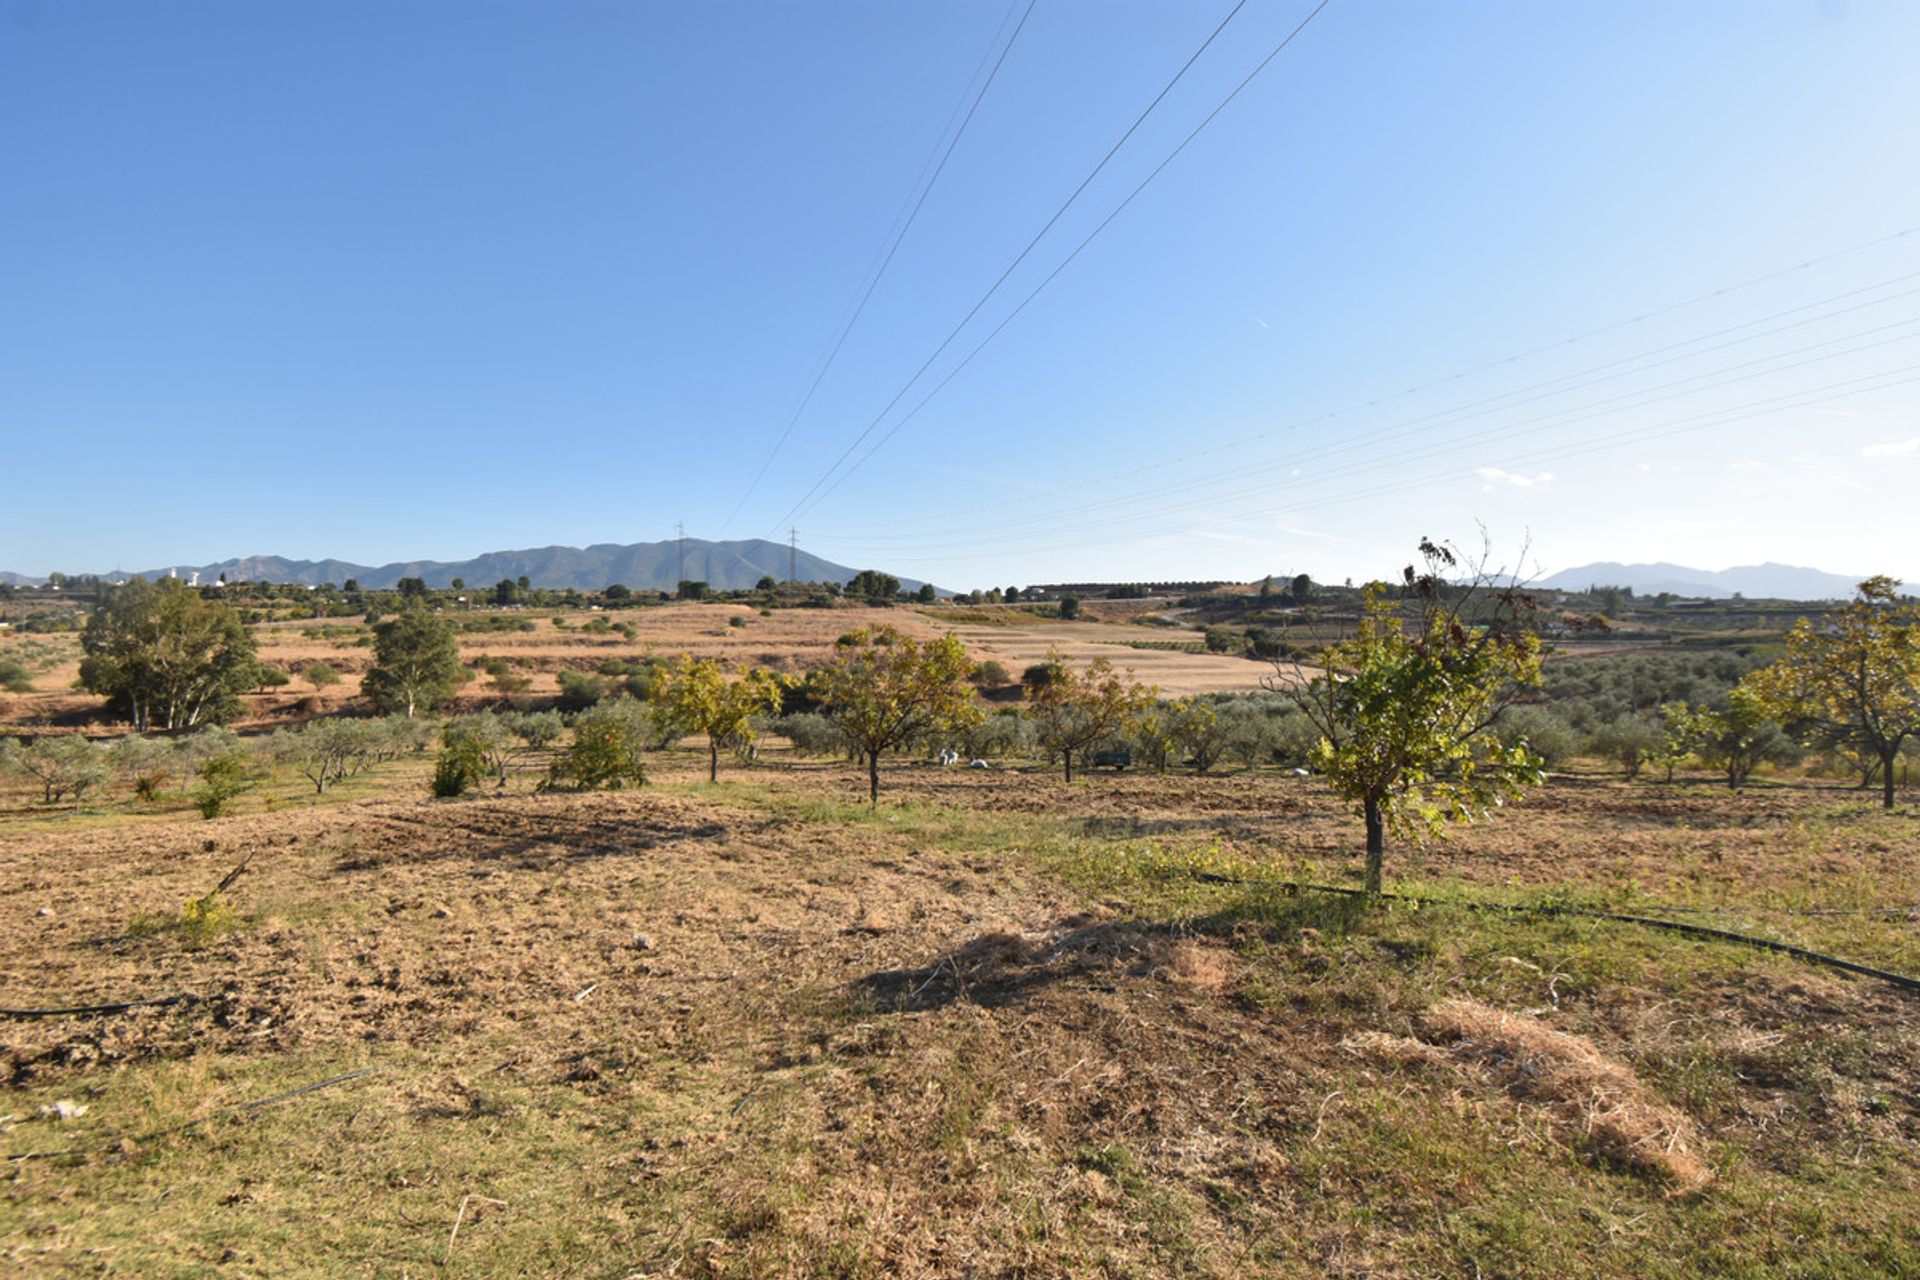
x=1630, y=282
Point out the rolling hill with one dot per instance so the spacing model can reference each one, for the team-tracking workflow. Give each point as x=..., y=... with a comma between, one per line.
x=1756, y=581
x=647, y=566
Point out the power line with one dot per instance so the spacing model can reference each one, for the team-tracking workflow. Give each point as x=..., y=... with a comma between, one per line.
x=1492, y=404
x=891, y=248
x=1038, y=236
x=1805, y=398
x=1240, y=442
x=1559, y=418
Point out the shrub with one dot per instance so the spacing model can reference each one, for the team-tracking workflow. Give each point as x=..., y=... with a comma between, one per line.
x=737, y=620
x=578, y=691
x=320, y=675
x=273, y=678
x=991, y=675
x=605, y=752
x=14, y=676
x=223, y=777
x=1540, y=730
x=460, y=765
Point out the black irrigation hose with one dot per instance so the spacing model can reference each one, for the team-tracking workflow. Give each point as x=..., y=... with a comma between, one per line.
x=185, y=997
x=237, y=1109
x=1671, y=926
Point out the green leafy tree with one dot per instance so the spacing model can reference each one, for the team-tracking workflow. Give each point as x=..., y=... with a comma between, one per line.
x=320, y=674
x=883, y=690
x=1077, y=709
x=873, y=586
x=926, y=594
x=696, y=696
x=1739, y=736
x=1405, y=705
x=1852, y=680
x=165, y=657
x=1069, y=607
x=416, y=663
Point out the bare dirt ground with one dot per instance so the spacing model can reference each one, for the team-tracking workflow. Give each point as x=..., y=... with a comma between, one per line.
x=992, y=1028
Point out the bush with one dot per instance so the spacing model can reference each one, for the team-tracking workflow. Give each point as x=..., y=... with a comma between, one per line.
x=811, y=734
x=320, y=675
x=606, y=750
x=578, y=691
x=273, y=678
x=737, y=620
x=223, y=777
x=14, y=676
x=991, y=675
x=460, y=766
x=1544, y=733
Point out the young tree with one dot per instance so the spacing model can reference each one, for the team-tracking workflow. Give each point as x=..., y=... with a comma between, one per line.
x=1739, y=736
x=1854, y=679
x=883, y=689
x=416, y=663
x=697, y=697
x=166, y=657
x=1404, y=706
x=1076, y=709
x=326, y=751
x=320, y=675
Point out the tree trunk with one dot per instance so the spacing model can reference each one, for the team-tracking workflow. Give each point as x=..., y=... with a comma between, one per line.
x=713, y=761
x=873, y=779
x=1886, y=777
x=1067, y=756
x=1376, y=845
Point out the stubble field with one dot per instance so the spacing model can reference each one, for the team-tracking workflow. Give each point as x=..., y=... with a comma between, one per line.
x=999, y=1026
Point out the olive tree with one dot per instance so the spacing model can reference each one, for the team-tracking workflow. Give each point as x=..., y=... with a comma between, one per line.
x=1404, y=706
x=883, y=689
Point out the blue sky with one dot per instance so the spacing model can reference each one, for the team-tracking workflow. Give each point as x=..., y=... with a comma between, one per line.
x=394, y=280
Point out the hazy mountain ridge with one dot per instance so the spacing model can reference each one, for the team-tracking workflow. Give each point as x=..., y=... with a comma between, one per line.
x=1755, y=581
x=644, y=566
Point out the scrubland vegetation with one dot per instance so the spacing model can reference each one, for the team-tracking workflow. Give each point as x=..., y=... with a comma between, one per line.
x=611, y=949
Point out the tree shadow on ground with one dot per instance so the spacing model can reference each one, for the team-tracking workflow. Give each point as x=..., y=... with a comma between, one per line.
x=530, y=839
x=994, y=970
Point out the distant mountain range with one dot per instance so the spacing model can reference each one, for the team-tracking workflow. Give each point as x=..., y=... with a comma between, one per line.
x=1754, y=581
x=644, y=566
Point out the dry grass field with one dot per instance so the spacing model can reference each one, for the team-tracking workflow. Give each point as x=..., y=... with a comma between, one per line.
x=999, y=1026
x=786, y=640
